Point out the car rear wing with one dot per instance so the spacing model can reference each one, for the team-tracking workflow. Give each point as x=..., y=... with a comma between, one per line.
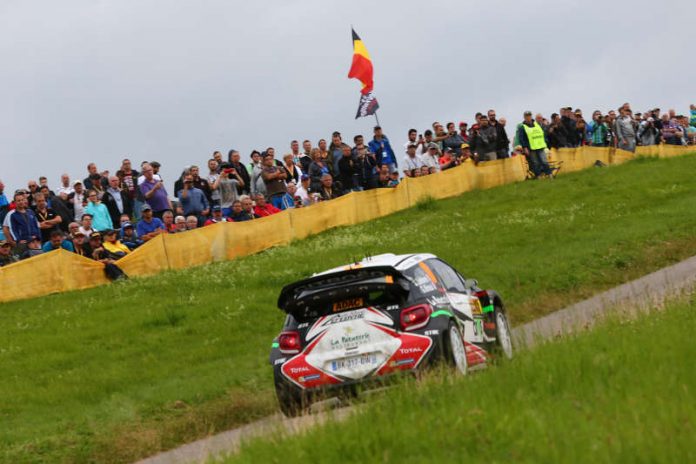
x=339, y=291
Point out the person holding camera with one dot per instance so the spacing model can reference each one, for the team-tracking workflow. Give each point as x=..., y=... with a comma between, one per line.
x=193, y=200
x=274, y=179
x=229, y=183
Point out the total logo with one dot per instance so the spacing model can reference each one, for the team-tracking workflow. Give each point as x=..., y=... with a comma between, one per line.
x=410, y=350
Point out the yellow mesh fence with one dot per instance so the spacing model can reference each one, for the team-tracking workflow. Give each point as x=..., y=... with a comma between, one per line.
x=60, y=271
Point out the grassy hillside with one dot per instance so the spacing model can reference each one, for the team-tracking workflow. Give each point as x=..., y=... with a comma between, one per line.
x=119, y=372
x=625, y=392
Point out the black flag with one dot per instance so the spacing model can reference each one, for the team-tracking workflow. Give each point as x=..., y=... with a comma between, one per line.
x=368, y=106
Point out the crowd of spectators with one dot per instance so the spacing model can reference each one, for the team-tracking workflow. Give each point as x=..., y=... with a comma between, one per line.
x=105, y=217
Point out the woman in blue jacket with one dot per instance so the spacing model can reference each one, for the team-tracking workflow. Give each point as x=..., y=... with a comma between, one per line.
x=101, y=220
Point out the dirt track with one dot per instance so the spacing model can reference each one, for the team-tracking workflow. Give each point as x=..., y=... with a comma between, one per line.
x=644, y=293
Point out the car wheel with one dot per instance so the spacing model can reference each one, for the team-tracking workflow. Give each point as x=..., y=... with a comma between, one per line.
x=455, y=350
x=291, y=401
x=503, y=336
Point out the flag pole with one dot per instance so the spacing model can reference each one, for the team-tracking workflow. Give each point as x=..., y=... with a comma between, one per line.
x=377, y=119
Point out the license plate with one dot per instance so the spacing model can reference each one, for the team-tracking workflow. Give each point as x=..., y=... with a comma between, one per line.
x=347, y=304
x=367, y=359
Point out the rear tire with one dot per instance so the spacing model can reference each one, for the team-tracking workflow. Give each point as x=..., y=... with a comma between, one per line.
x=455, y=350
x=291, y=401
x=503, y=336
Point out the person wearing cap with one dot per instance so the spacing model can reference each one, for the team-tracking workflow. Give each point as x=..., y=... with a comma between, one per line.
x=149, y=226
x=94, y=248
x=381, y=147
x=113, y=245
x=6, y=255
x=128, y=236
x=57, y=240
x=33, y=248
x=78, y=243
x=216, y=217
x=531, y=137
x=153, y=191
x=412, y=163
x=77, y=200
x=431, y=157
x=302, y=190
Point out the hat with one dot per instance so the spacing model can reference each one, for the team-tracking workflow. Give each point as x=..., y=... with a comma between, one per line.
x=34, y=238
x=433, y=146
x=449, y=150
x=146, y=207
x=465, y=145
x=462, y=123
x=217, y=208
x=126, y=224
x=4, y=242
x=304, y=177
x=78, y=232
x=77, y=182
x=95, y=235
x=155, y=164
x=527, y=113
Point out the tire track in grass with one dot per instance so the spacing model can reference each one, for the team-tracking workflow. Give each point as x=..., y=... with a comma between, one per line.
x=630, y=298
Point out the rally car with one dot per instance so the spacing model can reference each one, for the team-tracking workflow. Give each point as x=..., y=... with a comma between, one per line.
x=358, y=324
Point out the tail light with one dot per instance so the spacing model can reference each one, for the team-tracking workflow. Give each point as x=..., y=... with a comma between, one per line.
x=415, y=317
x=289, y=342
x=481, y=294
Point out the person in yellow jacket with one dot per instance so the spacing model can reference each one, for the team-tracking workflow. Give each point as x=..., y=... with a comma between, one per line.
x=113, y=245
x=533, y=140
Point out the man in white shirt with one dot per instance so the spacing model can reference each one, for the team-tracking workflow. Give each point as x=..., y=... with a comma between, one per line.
x=303, y=189
x=419, y=143
x=78, y=200
x=411, y=161
x=65, y=188
x=430, y=158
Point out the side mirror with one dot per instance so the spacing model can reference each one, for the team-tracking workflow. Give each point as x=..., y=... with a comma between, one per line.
x=471, y=283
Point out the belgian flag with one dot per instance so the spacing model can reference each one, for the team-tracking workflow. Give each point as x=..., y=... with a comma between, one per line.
x=361, y=69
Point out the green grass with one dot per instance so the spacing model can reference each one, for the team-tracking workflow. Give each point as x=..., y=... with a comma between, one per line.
x=119, y=372
x=625, y=392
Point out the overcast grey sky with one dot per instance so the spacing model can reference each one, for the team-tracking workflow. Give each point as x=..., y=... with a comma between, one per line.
x=175, y=80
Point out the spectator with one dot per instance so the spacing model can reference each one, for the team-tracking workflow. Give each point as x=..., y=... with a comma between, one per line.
x=464, y=131
x=599, y=132
x=335, y=151
x=193, y=200
x=383, y=176
x=20, y=225
x=247, y=208
x=153, y=191
x=149, y=226
x=180, y=223
x=502, y=139
x=113, y=246
x=128, y=182
x=117, y=201
x=214, y=181
x=292, y=172
x=366, y=167
x=238, y=213
x=57, y=240
x=217, y=156
x=447, y=160
x=237, y=165
x=453, y=140
x=6, y=255
x=73, y=228
x=230, y=183
x=347, y=172
x=625, y=133
x=411, y=162
x=648, y=134
x=306, y=156
x=290, y=199
x=4, y=206
x=201, y=184
x=414, y=139
x=93, y=248
x=33, y=188
x=77, y=201
x=101, y=220
x=48, y=220
x=94, y=180
x=191, y=223
x=317, y=169
x=65, y=188
x=263, y=208
x=295, y=151
x=327, y=191
x=531, y=137
x=303, y=190
x=568, y=123
x=129, y=237
x=168, y=221
x=484, y=142
x=86, y=225
x=78, y=242
x=381, y=147
x=393, y=179
x=217, y=216
x=274, y=180
x=32, y=249
x=556, y=133
x=258, y=185
x=321, y=145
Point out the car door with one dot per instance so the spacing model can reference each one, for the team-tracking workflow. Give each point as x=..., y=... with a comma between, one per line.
x=466, y=306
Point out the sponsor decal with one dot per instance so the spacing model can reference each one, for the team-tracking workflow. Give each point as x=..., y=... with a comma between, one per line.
x=351, y=303
x=303, y=325
x=438, y=300
x=307, y=378
x=441, y=312
x=410, y=350
x=432, y=332
x=349, y=340
x=279, y=361
x=299, y=370
x=402, y=362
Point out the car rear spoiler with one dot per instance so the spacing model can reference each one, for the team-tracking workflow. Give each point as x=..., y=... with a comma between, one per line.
x=339, y=285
